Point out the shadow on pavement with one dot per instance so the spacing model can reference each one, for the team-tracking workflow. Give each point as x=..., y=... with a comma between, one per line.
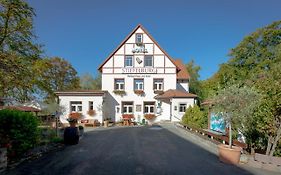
x=130, y=150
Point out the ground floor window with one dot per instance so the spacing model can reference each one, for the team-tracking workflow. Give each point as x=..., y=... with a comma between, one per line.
x=75, y=106
x=182, y=107
x=127, y=107
x=149, y=107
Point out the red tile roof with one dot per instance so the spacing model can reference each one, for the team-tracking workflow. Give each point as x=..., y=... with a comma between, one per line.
x=21, y=108
x=182, y=72
x=171, y=93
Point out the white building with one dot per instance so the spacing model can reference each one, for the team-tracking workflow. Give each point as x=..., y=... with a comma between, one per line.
x=138, y=78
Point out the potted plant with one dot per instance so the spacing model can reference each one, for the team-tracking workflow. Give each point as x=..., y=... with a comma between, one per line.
x=75, y=115
x=139, y=92
x=235, y=104
x=91, y=112
x=128, y=116
x=71, y=134
x=119, y=92
x=159, y=92
x=149, y=116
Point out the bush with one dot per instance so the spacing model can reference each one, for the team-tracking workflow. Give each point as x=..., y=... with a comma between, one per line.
x=195, y=117
x=18, y=132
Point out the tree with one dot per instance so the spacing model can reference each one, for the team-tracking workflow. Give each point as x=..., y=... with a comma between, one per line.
x=236, y=104
x=17, y=49
x=194, y=83
x=16, y=29
x=87, y=82
x=195, y=117
x=54, y=74
x=256, y=53
x=268, y=114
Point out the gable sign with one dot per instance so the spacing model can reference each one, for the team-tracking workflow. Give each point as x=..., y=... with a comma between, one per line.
x=139, y=49
x=141, y=70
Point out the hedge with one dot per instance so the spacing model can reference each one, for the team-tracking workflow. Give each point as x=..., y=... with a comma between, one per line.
x=18, y=132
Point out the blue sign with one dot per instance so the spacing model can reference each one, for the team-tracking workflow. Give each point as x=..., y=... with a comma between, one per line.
x=217, y=123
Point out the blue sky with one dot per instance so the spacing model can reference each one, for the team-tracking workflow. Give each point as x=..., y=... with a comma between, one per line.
x=85, y=32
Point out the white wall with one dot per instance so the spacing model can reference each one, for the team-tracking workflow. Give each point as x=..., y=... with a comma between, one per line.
x=97, y=102
x=176, y=115
x=108, y=84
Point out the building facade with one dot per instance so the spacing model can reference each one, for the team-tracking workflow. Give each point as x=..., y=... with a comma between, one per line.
x=138, y=78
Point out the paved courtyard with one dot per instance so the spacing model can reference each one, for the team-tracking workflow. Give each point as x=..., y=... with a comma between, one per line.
x=135, y=150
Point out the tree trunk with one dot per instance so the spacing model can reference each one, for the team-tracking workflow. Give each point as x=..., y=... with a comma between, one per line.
x=230, y=136
x=276, y=139
x=269, y=145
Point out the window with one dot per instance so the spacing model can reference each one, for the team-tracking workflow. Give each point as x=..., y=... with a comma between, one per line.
x=119, y=84
x=91, y=105
x=127, y=107
x=138, y=38
x=128, y=61
x=158, y=85
x=76, y=106
x=138, y=108
x=148, y=61
x=182, y=107
x=149, y=107
x=138, y=84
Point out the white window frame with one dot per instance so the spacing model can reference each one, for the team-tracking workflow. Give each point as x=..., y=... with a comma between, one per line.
x=77, y=105
x=125, y=61
x=158, y=83
x=127, y=107
x=180, y=107
x=138, y=85
x=149, y=106
x=118, y=85
x=139, y=36
x=144, y=61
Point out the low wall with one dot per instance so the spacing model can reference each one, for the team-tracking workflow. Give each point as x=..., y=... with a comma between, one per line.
x=3, y=159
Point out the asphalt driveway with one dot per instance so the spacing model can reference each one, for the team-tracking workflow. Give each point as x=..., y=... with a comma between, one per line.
x=134, y=150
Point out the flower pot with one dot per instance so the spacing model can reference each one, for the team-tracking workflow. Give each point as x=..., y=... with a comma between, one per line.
x=71, y=135
x=227, y=155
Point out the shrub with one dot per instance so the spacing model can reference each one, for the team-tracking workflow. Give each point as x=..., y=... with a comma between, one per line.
x=195, y=117
x=19, y=132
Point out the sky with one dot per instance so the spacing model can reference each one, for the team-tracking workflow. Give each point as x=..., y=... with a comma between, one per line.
x=85, y=32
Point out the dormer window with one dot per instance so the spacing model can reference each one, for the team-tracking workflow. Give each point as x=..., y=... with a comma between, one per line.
x=139, y=38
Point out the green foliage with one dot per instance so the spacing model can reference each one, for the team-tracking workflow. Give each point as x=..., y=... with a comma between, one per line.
x=256, y=53
x=19, y=130
x=194, y=83
x=256, y=62
x=87, y=82
x=236, y=103
x=17, y=49
x=16, y=29
x=54, y=74
x=195, y=117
